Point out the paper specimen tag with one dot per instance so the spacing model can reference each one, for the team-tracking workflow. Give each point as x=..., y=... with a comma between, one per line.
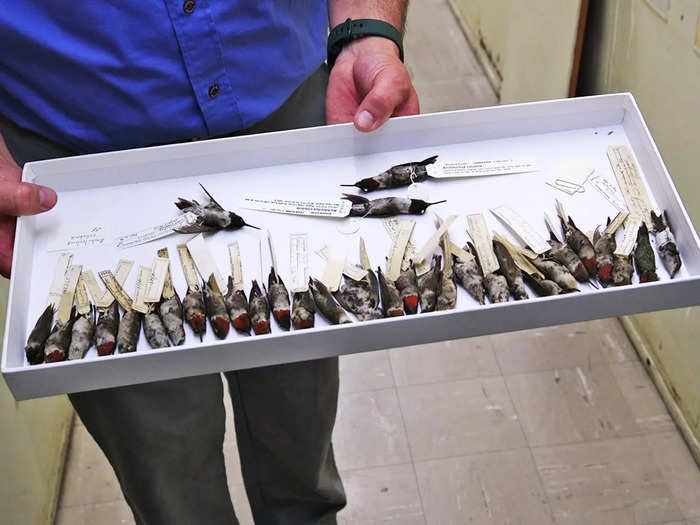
x=311, y=207
x=334, y=270
x=142, y=283
x=69, y=284
x=349, y=269
x=630, y=238
x=364, y=258
x=630, y=181
x=460, y=253
x=394, y=263
x=156, y=281
x=616, y=222
x=609, y=191
x=664, y=237
x=392, y=227
x=482, y=243
x=168, y=288
x=519, y=259
x=522, y=230
x=299, y=261
x=95, y=291
x=116, y=289
x=446, y=251
x=204, y=261
x=155, y=232
x=59, y=278
x=92, y=237
x=429, y=247
x=81, y=296
x=188, y=268
x=273, y=254
x=120, y=274
x=480, y=168
x=552, y=228
x=234, y=253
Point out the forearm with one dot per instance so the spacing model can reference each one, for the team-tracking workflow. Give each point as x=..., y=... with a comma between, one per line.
x=391, y=11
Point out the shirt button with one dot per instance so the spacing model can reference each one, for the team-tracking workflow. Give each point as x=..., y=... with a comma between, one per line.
x=213, y=90
x=188, y=6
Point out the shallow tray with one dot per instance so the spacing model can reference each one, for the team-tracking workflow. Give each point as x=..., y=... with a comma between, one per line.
x=128, y=190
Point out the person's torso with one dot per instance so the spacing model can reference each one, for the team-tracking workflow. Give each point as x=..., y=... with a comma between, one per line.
x=101, y=75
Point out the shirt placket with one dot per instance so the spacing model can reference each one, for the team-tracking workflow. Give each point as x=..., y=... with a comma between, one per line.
x=201, y=50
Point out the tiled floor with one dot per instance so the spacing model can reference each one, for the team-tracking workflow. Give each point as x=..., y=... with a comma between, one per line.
x=558, y=425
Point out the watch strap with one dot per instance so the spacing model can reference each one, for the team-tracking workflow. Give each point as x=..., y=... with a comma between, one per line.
x=349, y=30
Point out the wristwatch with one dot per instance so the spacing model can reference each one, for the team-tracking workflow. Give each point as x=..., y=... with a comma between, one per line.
x=350, y=30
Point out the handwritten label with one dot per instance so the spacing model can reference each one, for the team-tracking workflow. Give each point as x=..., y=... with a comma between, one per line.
x=398, y=248
x=525, y=233
x=204, y=261
x=609, y=191
x=69, y=285
x=155, y=232
x=142, y=283
x=479, y=168
x=349, y=269
x=93, y=237
x=95, y=291
x=81, y=296
x=429, y=247
x=168, y=288
x=234, y=253
x=273, y=254
x=334, y=269
x=116, y=290
x=460, y=253
x=311, y=207
x=299, y=261
x=552, y=228
x=482, y=243
x=156, y=281
x=630, y=182
x=630, y=238
x=59, y=278
x=188, y=268
x=392, y=227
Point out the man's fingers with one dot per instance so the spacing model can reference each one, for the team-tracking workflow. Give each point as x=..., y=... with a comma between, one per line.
x=410, y=107
x=7, y=240
x=23, y=198
x=391, y=89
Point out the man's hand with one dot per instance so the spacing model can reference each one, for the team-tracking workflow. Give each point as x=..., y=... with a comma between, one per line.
x=368, y=84
x=17, y=198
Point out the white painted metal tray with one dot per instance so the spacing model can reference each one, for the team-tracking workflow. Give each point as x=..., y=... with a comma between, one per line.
x=129, y=190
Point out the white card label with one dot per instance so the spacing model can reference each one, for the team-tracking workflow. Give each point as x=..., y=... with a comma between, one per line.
x=142, y=283
x=609, y=191
x=93, y=237
x=115, y=289
x=59, y=278
x=552, y=227
x=334, y=270
x=234, y=253
x=81, y=296
x=299, y=261
x=429, y=247
x=156, y=281
x=525, y=233
x=69, y=285
x=349, y=269
x=95, y=291
x=364, y=257
x=398, y=249
x=480, y=168
x=482, y=243
x=630, y=237
x=630, y=181
x=616, y=222
x=168, y=289
x=155, y=232
x=311, y=207
x=188, y=268
x=204, y=261
x=392, y=227
x=460, y=253
x=120, y=274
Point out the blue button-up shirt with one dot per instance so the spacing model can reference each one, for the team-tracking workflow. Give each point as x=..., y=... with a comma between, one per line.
x=101, y=75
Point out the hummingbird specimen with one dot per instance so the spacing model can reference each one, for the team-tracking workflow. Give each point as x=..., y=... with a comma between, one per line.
x=604, y=245
x=469, y=275
x=396, y=176
x=259, y=310
x=407, y=285
x=58, y=341
x=154, y=329
x=278, y=297
x=622, y=269
x=195, y=311
x=82, y=335
x=38, y=336
x=360, y=297
x=303, y=310
x=666, y=243
x=211, y=217
x=129, y=330
x=543, y=287
x=387, y=206
x=326, y=304
x=106, y=329
x=392, y=304
x=577, y=241
x=428, y=286
x=556, y=272
x=510, y=271
x=237, y=307
x=170, y=310
x=644, y=258
x=564, y=255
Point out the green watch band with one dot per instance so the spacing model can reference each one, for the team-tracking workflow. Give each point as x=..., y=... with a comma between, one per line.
x=349, y=30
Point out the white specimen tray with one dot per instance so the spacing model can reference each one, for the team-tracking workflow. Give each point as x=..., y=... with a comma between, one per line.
x=126, y=191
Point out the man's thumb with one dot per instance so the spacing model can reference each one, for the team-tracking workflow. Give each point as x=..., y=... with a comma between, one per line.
x=389, y=91
x=23, y=198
